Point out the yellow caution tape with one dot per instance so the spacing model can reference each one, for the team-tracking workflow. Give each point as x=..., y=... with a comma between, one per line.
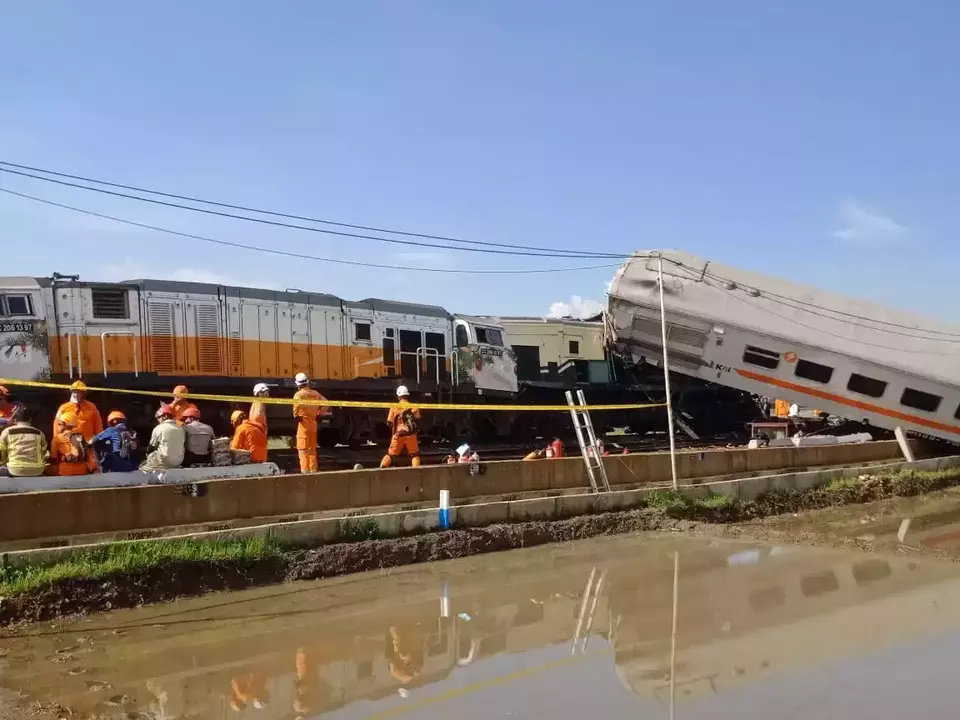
x=333, y=403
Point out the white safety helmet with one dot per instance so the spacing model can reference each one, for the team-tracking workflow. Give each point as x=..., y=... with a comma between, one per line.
x=402, y=391
x=301, y=379
x=260, y=389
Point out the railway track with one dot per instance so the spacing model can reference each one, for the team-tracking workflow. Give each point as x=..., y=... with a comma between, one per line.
x=369, y=456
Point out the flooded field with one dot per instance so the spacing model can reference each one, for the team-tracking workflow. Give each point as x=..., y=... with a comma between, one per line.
x=640, y=627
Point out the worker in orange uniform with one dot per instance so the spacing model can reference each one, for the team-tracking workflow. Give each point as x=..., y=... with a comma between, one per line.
x=180, y=404
x=69, y=451
x=258, y=410
x=89, y=422
x=7, y=407
x=404, y=422
x=306, y=416
x=248, y=435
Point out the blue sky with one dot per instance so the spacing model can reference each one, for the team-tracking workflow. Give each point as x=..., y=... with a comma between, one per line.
x=815, y=140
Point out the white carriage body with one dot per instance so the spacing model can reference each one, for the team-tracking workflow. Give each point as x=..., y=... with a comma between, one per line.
x=762, y=335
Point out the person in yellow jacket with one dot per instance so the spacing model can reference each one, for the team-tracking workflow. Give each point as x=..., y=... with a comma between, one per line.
x=306, y=416
x=23, y=448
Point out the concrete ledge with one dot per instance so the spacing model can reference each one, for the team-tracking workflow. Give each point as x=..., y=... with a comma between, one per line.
x=404, y=522
x=69, y=513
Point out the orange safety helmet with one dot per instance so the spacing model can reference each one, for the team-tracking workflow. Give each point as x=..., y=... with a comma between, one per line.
x=165, y=411
x=4, y=391
x=116, y=415
x=236, y=416
x=191, y=412
x=79, y=386
x=68, y=420
x=179, y=391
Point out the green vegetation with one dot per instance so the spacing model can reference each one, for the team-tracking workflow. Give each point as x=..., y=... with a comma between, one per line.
x=841, y=483
x=356, y=530
x=134, y=557
x=716, y=501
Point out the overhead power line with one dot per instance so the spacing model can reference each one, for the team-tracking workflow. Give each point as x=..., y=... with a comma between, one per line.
x=284, y=253
x=535, y=250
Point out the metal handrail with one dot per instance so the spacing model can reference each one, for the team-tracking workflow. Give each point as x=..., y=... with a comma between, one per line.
x=428, y=352
x=120, y=333
x=455, y=368
x=70, y=334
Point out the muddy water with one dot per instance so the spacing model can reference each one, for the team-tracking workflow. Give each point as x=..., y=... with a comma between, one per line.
x=584, y=630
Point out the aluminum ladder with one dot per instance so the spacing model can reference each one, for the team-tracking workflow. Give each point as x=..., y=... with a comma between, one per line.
x=589, y=445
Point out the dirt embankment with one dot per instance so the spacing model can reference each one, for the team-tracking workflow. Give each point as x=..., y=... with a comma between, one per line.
x=665, y=511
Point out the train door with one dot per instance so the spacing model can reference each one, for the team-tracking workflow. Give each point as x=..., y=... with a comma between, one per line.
x=390, y=352
x=363, y=349
x=234, y=338
x=283, y=321
x=300, y=340
x=410, y=343
x=435, y=354
x=71, y=331
x=259, y=334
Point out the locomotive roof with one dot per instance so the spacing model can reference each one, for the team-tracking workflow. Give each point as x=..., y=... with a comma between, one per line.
x=808, y=316
x=292, y=296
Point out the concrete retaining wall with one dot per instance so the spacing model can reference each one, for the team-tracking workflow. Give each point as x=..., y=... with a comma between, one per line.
x=81, y=512
x=399, y=522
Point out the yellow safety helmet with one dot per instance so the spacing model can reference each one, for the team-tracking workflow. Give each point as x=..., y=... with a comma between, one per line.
x=237, y=416
x=79, y=386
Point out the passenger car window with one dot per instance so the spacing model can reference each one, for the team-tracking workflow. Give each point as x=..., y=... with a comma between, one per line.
x=758, y=356
x=813, y=371
x=920, y=400
x=868, y=386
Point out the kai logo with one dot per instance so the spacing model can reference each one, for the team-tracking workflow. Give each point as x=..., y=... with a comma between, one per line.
x=790, y=357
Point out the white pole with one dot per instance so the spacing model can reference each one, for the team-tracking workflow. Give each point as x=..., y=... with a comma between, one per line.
x=666, y=377
x=673, y=630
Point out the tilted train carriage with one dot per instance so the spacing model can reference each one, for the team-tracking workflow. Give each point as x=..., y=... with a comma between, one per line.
x=155, y=334
x=758, y=334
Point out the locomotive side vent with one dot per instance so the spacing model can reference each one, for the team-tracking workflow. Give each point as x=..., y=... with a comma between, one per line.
x=160, y=316
x=208, y=339
x=110, y=304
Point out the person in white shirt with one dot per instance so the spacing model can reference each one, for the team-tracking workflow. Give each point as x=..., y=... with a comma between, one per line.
x=167, y=443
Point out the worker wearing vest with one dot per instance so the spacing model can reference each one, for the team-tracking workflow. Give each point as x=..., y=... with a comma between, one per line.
x=306, y=416
x=69, y=451
x=258, y=410
x=23, y=448
x=85, y=413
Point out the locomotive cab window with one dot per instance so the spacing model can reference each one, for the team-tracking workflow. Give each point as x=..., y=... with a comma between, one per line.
x=920, y=400
x=813, y=371
x=489, y=336
x=462, y=336
x=868, y=386
x=758, y=356
x=16, y=306
x=110, y=304
x=956, y=414
x=361, y=332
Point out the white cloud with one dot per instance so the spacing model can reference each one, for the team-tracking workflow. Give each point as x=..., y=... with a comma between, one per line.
x=862, y=225
x=576, y=308
x=131, y=270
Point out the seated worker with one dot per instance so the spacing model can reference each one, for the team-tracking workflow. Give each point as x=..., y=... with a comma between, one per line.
x=167, y=442
x=68, y=448
x=404, y=427
x=249, y=435
x=180, y=404
x=23, y=448
x=116, y=447
x=199, y=436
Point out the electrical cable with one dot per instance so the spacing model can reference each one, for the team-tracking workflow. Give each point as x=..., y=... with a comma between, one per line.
x=541, y=252
x=303, y=256
x=786, y=300
x=289, y=216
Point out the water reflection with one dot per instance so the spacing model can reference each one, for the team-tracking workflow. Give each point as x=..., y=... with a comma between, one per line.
x=669, y=622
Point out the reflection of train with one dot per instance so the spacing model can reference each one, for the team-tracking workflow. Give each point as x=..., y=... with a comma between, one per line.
x=762, y=335
x=744, y=614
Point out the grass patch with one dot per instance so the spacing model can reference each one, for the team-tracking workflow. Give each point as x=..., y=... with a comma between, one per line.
x=134, y=557
x=356, y=530
x=841, y=483
x=716, y=501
